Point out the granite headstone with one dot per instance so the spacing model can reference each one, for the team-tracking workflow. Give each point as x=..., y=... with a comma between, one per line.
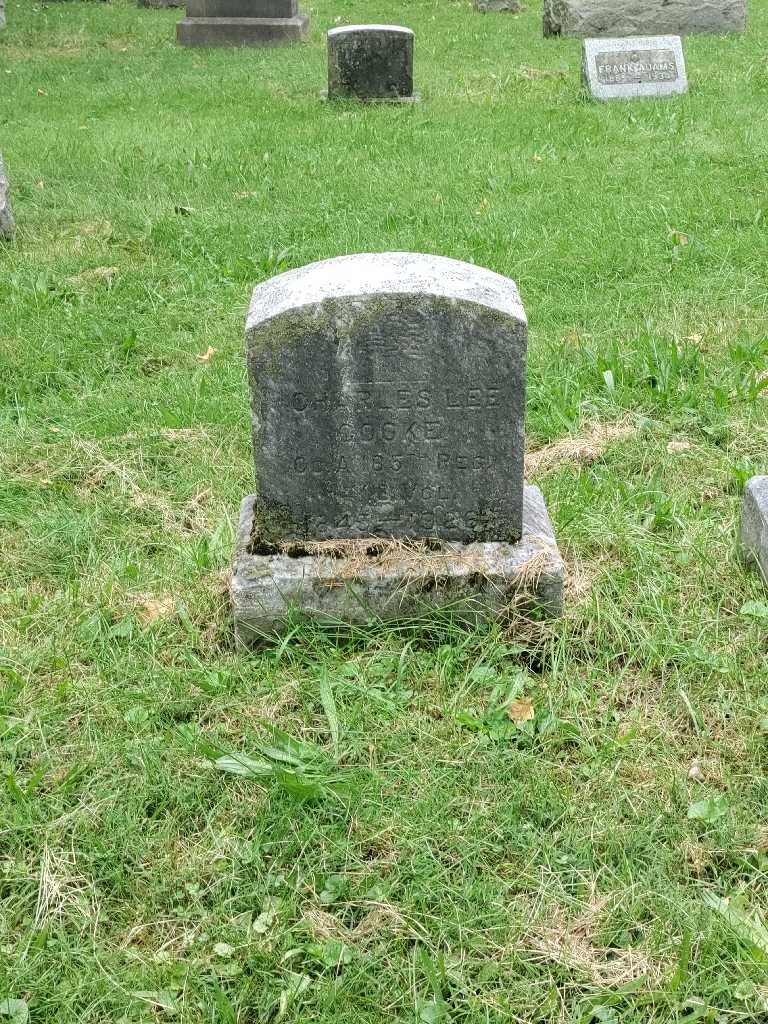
x=393, y=404
x=642, y=17
x=242, y=23
x=754, y=522
x=388, y=401
x=622, y=69
x=370, y=62
x=497, y=6
x=7, y=223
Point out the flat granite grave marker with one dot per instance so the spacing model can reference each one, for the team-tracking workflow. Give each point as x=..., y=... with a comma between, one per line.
x=160, y=3
x=625, y=69
x=242, y=23
x=371, y=62
x=7, y=223
x=641, y=17
x=754, y=523
x=388, y=404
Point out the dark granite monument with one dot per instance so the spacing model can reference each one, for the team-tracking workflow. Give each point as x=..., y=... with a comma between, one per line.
x=370, y=62
x=388, y=405
x=242, y=23
x=7, y=223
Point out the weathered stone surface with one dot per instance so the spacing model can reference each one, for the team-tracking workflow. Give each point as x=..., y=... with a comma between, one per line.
x=622, y=69
x=477, y=581
x=642, y=17
x=2, y=13
x=370, y=62
x=160, y=3
x=242, y=31
x=494, y=6
x=754, y=522
x=7, y=223
x=388, y=400
x=242, y=8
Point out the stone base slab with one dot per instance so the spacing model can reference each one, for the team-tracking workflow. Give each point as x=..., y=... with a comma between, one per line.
x=242, y=31
x=477, y=582
x=497, y=6
x=754, y=523
x=373, y=100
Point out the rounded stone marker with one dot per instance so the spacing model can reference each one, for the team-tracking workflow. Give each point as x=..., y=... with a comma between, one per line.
x=370, y=62
x=388, y=400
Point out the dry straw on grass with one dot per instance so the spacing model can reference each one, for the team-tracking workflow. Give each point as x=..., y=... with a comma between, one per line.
x=577, y=451
x=415, y=560
x=382, y=919
x=571, y=942
x=63, y=894
x=149, y=608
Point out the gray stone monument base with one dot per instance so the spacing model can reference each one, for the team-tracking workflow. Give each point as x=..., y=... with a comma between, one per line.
x=497, y=6
x=242, y=31
x=754, y=523
x=415, y=98
x=477, y=582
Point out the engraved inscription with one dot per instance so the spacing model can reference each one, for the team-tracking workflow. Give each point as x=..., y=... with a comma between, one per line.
x=391, y=442
x=636, y=67
x=403, y=396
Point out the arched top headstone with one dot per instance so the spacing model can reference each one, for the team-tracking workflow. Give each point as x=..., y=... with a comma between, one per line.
x=370, y=62
x=388, y=399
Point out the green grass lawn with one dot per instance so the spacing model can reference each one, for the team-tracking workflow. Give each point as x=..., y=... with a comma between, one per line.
x=452, y=863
